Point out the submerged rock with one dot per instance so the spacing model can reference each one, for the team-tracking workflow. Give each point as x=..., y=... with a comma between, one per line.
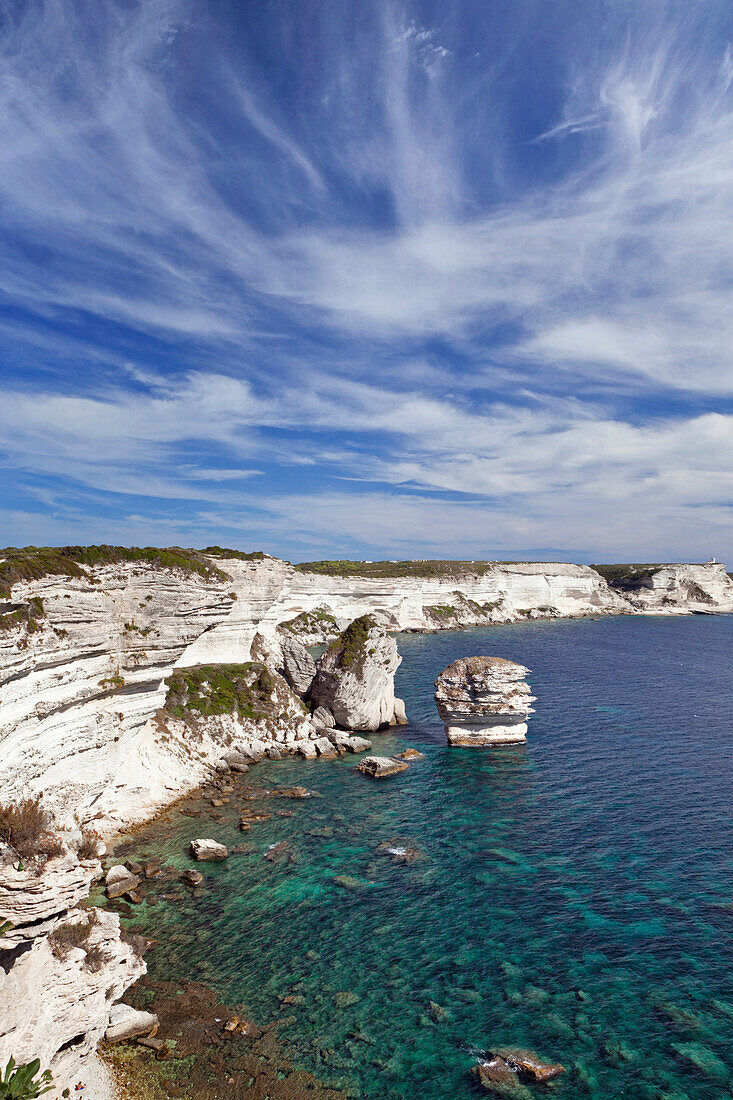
x=496, y=1076
x=409, y=754
x=507, y=1068
x=380, y=766
x=209, y=850
x=484, y=701
x=526, y=1062
x=355, y=678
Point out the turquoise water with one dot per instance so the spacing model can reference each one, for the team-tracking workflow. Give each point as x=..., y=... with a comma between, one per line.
x=574, y=895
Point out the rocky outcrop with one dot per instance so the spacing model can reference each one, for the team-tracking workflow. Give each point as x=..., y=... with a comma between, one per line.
x=484, y=701
x=34, y=899
x=58, y=1008
x=61, y=967
x=355, y=678
x=298, y=667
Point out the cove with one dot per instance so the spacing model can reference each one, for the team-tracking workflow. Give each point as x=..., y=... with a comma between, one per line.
x=573, y=895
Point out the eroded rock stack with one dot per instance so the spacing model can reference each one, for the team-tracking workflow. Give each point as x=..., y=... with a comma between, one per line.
x=355, y=678
x=484, y=701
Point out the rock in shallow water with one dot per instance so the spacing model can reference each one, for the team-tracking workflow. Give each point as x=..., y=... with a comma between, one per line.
x=209, y=850
x=484, y=701
x=380, y=766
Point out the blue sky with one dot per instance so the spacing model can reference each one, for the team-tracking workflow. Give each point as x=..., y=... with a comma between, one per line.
x=368, y=279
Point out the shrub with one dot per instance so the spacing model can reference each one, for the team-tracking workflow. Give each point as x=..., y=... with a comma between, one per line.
x=65, y=937
x=23, y=1082
x=26, y=827
x=351, y=646
x=87, y=847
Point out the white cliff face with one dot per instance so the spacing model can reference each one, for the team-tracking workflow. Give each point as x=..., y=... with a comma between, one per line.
x=59, y=1009
x=484, y=701
x=699, y=588
x=355, y=678
x=33, y=900
x=79, y=694
x=55, y=996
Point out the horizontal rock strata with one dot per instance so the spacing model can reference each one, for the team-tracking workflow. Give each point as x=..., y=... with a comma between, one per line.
x=484, y=701
x=85, y=659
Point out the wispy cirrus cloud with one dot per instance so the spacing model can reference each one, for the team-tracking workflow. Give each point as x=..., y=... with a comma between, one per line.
x=404, y=258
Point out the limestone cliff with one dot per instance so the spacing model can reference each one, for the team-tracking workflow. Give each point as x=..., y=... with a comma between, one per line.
x=484, y=701
x=355, y=678
x=61, y=967
x=87, y=650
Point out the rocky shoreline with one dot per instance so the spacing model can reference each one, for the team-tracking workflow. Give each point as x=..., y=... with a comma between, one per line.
x=127, y=685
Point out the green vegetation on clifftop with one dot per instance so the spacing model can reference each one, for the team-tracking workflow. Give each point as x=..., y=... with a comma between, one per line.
x=351, y=646
x=31, y=563
x=399, y=568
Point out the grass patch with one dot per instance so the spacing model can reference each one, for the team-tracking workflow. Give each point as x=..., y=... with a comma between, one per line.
x=31, y=563
x=246, y=690
x=399, y=568
x=26, y=827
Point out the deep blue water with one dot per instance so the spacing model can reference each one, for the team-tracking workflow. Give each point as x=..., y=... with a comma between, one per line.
x=571, y=896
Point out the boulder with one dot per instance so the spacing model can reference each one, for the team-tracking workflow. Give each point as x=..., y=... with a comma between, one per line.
x=120, y=873
x=322, y=717
x=237, y=762
x=380, y=766
x=209, y=850
x=484, y=701
x=126, y=1022
x=355, y=677
x=192, y=878
x=308, y=749
x=298, y=667
x=358, y=744
x=409, y=754
x=123, y=886
x=325, y=747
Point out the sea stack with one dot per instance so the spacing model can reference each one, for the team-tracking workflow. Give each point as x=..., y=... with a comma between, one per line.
x=484, y=701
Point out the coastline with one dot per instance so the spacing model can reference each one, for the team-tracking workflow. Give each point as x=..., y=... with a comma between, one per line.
x=85, y=682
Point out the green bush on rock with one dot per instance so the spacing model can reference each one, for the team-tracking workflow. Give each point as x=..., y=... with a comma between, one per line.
x=23, y=1082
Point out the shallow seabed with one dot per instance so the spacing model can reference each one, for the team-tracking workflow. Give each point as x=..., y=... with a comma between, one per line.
x=574, y=895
